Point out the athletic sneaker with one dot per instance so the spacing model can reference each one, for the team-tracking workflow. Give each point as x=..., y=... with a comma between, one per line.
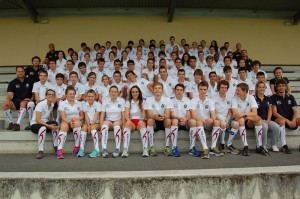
x=222, y=149
x=145, y=153
x=264, y=151
x=28, y=128
x=246, y=151
x=258, y=149
x=275, y=148
x=167, y=151
x=152, y=151
x=116, y=153
x=175, y=152
x=60, y=154
x=80, y=153
x=285, y=149
x=125, y=154
x=105, y=153
x=231, y=149
x=10, y=126
x=95, y=153
x=215, y=151
x=75, y=150
x=40, y=155
x=205, y=154
x=16, y=127
x=194, y=152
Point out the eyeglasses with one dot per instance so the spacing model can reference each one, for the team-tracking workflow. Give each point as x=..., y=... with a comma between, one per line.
x=49, y=94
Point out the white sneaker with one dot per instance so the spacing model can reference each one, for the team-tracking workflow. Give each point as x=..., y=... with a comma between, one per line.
x=125, y=153
x=145, y=153
x=275, y=148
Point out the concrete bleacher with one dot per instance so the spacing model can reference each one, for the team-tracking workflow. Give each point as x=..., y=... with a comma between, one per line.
x=26, y=142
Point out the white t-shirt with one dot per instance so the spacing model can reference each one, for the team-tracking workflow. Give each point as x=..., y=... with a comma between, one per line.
x=158, y=107
x=104, y=91
x=71, y=111
x=142, y=84
x=80, y=89
x=138, y=65
x=244, y=106
x=42, y=107
x=222, y=106
x=150, y=74
x=59, y=90
x=203, y=108
x=212, y=90
x=95, y=87
x=99, y=75
x=249, y=82
x=112, y=109
x=52, y=75
x=232, y=87
x=91, y=110
x=180, y=107
x=168, y=87
x=61, y=64
x=41, y=89
x=135, y=111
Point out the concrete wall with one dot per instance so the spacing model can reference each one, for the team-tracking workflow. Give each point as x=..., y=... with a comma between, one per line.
x=265, y=39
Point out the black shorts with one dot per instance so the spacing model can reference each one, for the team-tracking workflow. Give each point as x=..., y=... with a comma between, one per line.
x=246, y=125
x=17, y=103
x=287, y=126
x=159, y=125
x=36, y=127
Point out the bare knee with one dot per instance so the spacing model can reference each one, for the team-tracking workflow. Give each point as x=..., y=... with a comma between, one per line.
x=167, y=123
x=150, y=122
x=192, y=123
x=174, y=122
x=235, y=125
x=216, y=123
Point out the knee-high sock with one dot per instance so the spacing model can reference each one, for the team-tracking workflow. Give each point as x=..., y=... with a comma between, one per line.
x=144, y=138
x=258, y=134
x=282, y=135
x=9, y=116
x=41, y=137
x=21, y=115
x=151, y=135
x=231, y=136
x=214, y=136
x=62, y=136
x=76, y=133
x=222, y=133
x=82, y=139
x=243, y=135
x=117, y=134
x=104, y=136
x=193, y=135
x=55, y=137
x=202, y=137
x=174, y=135
x=30, y=109
x=95, y=139
x=126, y=138
x=168, y=136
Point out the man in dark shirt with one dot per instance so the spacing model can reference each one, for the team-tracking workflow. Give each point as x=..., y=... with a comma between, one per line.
x=237, y=54
x=19, y=96
x=248, y=61
x=32, y=72
x=52, y=54
x=285, y=112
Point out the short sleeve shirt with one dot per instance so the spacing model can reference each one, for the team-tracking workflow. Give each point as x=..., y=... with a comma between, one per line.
x=263, y=106
x=113, y=110
x=71, y=111
x=158, y=107
x=284, y=105
x=134, y=110
x=203, y=108
x=21, y=90
x=222, y=106
x=45, y=111
x=180, y=107
x=59, y=90
x=91, y=110
x=41, y=89
x=244, y=106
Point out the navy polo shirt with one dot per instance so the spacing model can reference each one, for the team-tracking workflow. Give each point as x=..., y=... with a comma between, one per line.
x=20, y=89
x=263, y=106
x=32, y=74
x=275, y=80
x=52, y=55
x=284, y=105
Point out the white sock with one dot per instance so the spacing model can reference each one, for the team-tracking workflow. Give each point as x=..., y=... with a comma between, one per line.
x=258, y=133
x=214, y=136
x=21, y=115
x=117, y=134
x=55, y=137
x=202, y=137
x=151, y=135
x=193, y=135
x=30, y=109
x=231, y=137
x=144, y=138
x=104, y=136
x=243, y=135
x=126, y=138
x=9, y=116
x=95, y=139
x=168, y=136
x=82, y=139
x=76, y=133
x=41, y=137
x=174, y=135
x=222, y=133
x=62, y=136
x=282, y=135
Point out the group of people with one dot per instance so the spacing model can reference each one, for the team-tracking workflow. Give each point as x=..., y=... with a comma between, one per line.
x=170, y=88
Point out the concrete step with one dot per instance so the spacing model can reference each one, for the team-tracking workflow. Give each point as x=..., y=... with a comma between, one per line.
x=26, y=141
x=284, y=67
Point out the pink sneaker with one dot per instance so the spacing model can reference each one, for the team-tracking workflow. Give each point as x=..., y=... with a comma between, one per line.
x=60, y=154
x=75, y=150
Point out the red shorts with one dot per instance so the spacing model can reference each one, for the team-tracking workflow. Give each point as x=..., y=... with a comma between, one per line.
x=136, y=122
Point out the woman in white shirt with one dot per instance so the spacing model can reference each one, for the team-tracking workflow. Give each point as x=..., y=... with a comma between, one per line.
x=135, y=120
x=71, y=115
x=148, y=72
x=112, y=118
x=91, y=84
x=104, y=88
x=91, y=109
x=61, y=62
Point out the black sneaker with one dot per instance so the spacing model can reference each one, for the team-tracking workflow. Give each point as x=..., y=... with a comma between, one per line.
x=264, y=151
x=258, y=149
x=16, y=127
x=28, y=128
x=10, y=126
x=285, y=150
x=246, y=151
x=231, y=149
x=40, y=155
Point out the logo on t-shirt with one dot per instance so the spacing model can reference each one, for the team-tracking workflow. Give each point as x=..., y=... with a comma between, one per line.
x=78, y=108
x=228, y=102
x=206, y=106
x=162, y=106
x=119, y=105
x=248, y=104
x=185, y=106
x=289, y=102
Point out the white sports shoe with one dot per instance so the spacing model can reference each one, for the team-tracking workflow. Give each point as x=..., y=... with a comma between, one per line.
x=125, y=153
x=145, y=153
x=275, y=148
